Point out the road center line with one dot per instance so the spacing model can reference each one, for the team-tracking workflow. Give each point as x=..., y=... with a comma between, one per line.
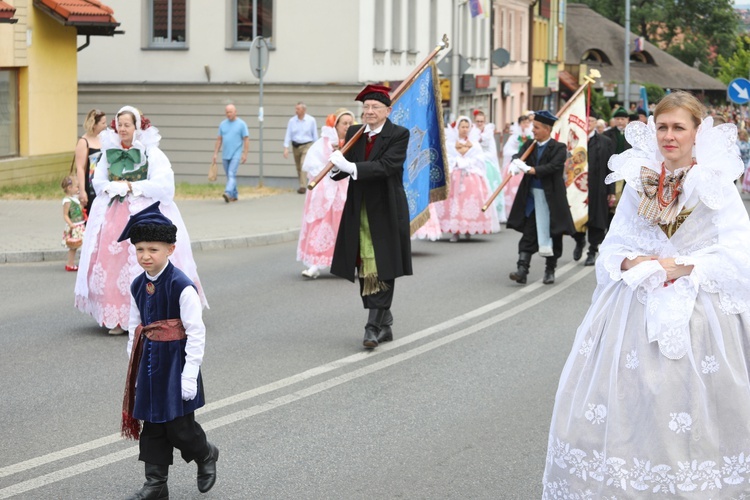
x=283, y=400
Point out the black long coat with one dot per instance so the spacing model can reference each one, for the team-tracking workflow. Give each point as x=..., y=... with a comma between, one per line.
x=600, y=149
x=549, y=170
x=380, y=185
x=612, y=133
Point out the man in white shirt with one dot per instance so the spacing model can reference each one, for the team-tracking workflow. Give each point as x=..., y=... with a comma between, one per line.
x=301, y=132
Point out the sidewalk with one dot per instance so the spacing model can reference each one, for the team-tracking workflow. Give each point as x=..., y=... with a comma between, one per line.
x=32, y=230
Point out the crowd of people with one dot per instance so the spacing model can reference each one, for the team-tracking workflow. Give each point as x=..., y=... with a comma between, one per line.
x=655, y=375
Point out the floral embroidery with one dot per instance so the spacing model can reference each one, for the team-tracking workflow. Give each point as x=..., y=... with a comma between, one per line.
x=114, y=247
x=680, y=422
x=586, y=347
x=97, y=279
x=640, y=474
x=709, y=365
x=596, y=413
x=632, y=360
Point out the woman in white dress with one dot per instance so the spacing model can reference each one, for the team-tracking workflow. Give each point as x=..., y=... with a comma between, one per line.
x=655, y=396
x=132, y=174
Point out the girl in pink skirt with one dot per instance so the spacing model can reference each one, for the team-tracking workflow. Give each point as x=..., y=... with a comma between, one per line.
x=461, y=212
x=324, y=204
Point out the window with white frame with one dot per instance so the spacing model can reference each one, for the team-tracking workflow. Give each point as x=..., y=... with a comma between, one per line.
x=167, y=23
x=244, y=17
x=8, y=112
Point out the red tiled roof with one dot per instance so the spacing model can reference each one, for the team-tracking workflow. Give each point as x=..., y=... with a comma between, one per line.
x=6, y=12
x=81, y=11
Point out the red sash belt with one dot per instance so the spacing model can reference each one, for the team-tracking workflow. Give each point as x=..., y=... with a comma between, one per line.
x=158, y=331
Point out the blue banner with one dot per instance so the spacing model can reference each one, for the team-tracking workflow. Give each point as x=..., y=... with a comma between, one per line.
x=425, y=169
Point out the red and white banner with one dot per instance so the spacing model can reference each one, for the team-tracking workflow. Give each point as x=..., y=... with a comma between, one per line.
x=570, y=129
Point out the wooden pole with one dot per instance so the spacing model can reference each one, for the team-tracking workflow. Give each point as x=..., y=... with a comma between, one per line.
x=589, y=80
x=394, y=97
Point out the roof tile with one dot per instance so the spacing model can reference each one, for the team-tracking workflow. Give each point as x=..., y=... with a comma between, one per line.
x=88, y=11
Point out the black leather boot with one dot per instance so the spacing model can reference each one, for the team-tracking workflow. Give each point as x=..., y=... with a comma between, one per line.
x=386, y=333
x=155, y=487
x=580, y=245
x=549, y=271
x=207, y=469
x=524, y=261
x=372, y=328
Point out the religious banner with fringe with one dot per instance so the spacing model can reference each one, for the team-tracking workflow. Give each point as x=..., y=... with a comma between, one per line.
x=571, y=129
x=425, y=169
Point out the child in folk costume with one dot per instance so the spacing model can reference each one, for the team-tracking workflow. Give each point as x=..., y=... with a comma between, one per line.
x=165, y=346
x=324, y=204
x=461, y=212
x=75, y=220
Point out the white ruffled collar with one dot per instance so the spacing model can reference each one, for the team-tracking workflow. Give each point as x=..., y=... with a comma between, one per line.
x=718, y=163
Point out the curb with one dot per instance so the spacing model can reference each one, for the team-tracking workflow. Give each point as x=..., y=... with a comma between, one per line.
x=257, y=240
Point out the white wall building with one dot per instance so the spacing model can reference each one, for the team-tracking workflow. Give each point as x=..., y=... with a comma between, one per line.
x=181, y=61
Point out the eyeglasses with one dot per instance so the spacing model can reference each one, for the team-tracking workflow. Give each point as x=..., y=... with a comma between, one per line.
x=373, y=108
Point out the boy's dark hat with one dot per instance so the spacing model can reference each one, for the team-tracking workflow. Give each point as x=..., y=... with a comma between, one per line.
x=375, y=92
x=621, y=113
x=545, y=117
x=149, y=225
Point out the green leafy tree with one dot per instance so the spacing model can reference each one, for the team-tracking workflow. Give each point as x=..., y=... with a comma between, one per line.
x=687, y=29
x=736, y=65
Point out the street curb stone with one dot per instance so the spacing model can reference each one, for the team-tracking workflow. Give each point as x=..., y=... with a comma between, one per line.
x=203, y=245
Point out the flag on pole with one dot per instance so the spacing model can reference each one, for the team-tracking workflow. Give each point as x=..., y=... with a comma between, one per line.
x=644, y=100
x=425, y=169
x=476, y=8
x=571, y=129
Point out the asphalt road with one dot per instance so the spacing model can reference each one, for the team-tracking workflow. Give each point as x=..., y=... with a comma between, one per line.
x=458, y=406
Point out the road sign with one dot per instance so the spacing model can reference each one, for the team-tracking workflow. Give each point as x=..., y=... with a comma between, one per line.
x=738, y=90
x=259, y=56
x=445, y=64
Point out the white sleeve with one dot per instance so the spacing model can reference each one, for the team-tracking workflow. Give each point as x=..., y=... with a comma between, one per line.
x=160, y=182
x=192, y=320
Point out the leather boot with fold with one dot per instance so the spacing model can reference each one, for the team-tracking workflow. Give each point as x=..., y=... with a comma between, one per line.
x=207, y=469
x=524, y=261
x=372, y=328
x=580, y=245
x=549, y=271
x=155, y=487
x=386, y=332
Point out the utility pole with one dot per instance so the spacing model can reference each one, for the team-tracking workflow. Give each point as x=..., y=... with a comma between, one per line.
x=455, y=59
x=627, y=56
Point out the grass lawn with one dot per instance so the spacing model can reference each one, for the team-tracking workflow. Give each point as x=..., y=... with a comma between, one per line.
x=51, y=190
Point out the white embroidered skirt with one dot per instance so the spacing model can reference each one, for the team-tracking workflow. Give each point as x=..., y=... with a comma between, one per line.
x=629, y=422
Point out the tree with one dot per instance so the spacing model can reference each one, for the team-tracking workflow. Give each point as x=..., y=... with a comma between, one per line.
x=687, y=29
x=738, y=64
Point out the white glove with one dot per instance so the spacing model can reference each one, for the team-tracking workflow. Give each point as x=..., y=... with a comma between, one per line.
x=189, y=381
x=517, y=166
x=116, y=188
x=343, y=164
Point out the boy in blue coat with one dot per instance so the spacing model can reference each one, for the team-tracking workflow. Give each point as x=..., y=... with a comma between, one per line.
x=165, y=346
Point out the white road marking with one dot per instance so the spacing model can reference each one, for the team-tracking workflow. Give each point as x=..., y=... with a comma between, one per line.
x=113, y=457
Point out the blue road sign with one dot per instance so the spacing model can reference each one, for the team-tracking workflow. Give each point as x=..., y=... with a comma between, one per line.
x=738, y=90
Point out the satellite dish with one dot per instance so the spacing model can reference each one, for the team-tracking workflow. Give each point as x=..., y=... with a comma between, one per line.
x=500, y=57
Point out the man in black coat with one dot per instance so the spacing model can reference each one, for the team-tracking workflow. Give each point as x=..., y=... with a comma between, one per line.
x=543, y=170
x=617, y=135
x=374, y=237
x=601, y=195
